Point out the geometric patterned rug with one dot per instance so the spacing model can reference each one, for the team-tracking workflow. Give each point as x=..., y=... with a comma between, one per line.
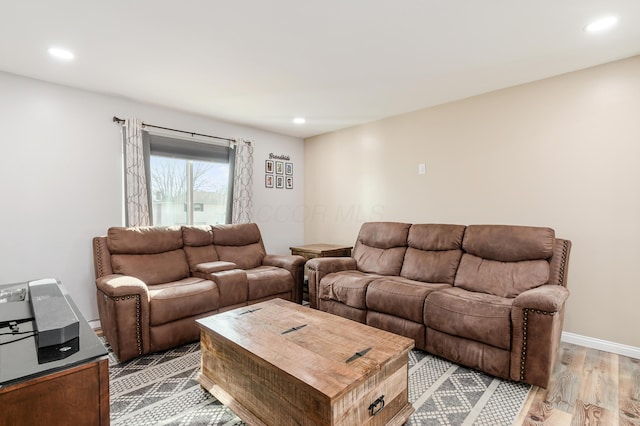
x=161, y=389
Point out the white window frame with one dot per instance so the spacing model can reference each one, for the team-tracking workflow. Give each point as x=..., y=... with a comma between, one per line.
x=193, y=148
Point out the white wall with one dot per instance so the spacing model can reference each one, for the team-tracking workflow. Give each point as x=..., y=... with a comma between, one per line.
x=562, y=152
x=61, y=179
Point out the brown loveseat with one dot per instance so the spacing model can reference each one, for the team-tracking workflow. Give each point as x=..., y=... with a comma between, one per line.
x=490, y=297
x=154, y=282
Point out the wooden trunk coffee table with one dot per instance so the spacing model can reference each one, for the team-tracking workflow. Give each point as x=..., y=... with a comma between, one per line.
x=279, y=363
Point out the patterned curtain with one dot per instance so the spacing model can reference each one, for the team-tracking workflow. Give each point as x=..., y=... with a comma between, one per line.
x=136, y=195
x=243, y=182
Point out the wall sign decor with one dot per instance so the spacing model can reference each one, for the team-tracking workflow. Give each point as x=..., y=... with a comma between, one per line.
x=278, y=171
x=272, y=156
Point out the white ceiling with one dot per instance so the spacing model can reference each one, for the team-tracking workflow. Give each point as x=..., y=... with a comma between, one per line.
x=336, y=62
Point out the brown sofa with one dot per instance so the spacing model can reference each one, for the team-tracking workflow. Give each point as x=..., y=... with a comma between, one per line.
x=490, y=297
x=154, y=282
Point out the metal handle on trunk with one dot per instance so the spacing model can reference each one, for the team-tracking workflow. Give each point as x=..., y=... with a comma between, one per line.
x=372, y=408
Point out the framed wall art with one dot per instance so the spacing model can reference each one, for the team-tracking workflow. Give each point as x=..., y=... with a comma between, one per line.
x=268, y=181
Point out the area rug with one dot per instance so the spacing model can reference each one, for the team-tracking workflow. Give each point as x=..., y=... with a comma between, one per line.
x=161, y=389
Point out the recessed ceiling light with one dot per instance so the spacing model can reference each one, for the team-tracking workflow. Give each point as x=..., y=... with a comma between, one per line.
x=299, y=120
x=601, y=24
x=59, y=53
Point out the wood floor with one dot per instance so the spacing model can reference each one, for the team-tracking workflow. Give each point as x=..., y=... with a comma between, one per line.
x=588, y=387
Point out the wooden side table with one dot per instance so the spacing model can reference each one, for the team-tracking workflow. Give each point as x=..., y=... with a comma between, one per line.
x=311, y=251
x=66, y=384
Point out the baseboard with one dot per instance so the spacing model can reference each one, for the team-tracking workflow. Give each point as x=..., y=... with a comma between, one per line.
x=603, y=345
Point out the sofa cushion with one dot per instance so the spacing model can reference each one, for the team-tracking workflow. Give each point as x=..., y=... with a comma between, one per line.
x=380, y=247
x=265, y=281
x=152, y=268
x=182, y=299
x=342, y=310
x=198, y=255
x=347, y=287
x=239, y=243
x=477, y=355
x=380, y=261
x=401, y=326
x=435, y=237
x=477, y=316
x=218, y=266
x=143, y=240
x=434, y=253
x=384, y=235
x=239, y=234
x=246, y=257
x=509, y=243
x=431, y=266
x=197, y=235
x=232, y=286
x=400, y=297
x=504, y=279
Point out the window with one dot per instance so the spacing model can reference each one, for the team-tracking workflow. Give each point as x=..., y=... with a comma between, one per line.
x=191, y=183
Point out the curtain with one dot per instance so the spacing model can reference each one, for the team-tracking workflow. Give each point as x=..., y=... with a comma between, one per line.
x=136, y=193
x=242, y=182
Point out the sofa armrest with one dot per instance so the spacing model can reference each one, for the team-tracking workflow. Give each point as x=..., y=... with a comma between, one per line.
x=537, y=316
x=116, y=285
x=286, y=261
x=123, y=305
x=211, y=267
x=547, y=298
x=292, y=263
x=232, y=286
x=321, y=266
x=329, y=265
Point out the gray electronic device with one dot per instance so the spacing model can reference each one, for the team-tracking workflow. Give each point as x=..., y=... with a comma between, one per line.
x=56, y=322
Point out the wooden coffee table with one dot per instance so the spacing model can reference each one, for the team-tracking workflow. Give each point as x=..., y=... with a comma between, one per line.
x=277, y=362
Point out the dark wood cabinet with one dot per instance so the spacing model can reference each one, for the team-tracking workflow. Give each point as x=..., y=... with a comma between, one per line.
x=74, y=396
x=311, y=251
x=72, y=389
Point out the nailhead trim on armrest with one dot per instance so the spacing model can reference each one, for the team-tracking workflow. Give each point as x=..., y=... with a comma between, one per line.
x=98, y=250
x=525, y=319
x=563, y=262
x=137, y=297
x=525, y=313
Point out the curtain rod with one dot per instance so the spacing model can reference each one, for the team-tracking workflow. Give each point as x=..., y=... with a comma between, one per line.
x=121, y=121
